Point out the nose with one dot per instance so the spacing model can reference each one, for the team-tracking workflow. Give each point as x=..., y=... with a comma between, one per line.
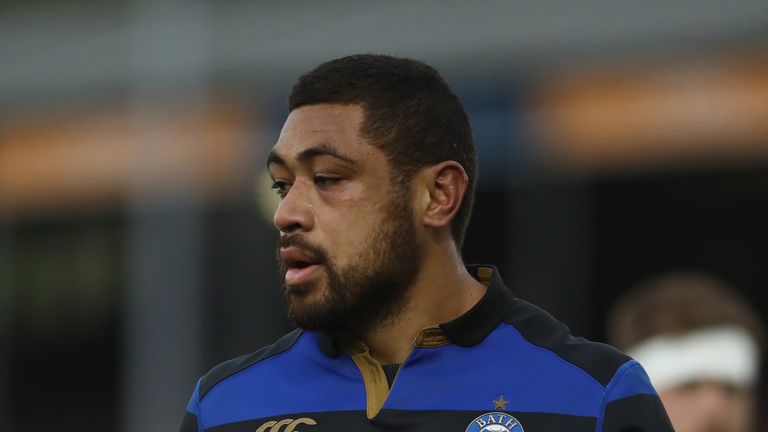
x=295, y=212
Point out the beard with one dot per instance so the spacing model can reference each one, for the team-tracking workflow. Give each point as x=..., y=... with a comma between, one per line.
x=370, y=292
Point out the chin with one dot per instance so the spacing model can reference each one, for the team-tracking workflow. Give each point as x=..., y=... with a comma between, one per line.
x=309, y=318
x=293, y=292
x=306, y=303
x=310, y=292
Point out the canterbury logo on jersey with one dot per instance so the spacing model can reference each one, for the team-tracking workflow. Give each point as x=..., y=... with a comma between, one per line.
x=290, y=425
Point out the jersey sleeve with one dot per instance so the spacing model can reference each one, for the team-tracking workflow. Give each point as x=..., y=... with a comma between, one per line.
x=190, y=421
x=631, y=404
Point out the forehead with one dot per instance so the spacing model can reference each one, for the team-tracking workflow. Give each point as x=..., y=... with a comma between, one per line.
x=329, y=124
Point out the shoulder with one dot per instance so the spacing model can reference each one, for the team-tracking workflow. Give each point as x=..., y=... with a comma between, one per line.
x=601, y=361
x=617, y=389
x=231, y=367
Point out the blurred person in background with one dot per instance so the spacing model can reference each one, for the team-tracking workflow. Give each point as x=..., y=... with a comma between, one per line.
x=376, y=170
x=701, y=344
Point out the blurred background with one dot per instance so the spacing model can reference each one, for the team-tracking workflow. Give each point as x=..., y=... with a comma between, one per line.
x=616, y=140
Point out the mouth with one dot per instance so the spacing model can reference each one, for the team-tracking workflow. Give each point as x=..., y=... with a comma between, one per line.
x=301, y=267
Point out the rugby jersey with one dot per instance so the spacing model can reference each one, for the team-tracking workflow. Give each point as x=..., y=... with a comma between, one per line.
x=504, y=366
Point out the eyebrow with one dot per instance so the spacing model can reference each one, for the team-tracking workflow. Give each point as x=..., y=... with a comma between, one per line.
x=323, y=149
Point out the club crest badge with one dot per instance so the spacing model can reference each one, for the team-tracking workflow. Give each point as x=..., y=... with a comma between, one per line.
x=495, y=422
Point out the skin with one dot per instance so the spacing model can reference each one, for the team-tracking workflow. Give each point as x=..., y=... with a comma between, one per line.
x=341, y=216
x=709, y=406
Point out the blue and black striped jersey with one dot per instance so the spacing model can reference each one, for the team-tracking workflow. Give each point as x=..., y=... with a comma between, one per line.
x=504, y=366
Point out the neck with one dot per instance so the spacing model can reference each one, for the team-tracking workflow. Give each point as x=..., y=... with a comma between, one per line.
x=443, y=291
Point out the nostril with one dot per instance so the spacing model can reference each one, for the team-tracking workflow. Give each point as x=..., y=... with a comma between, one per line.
x=289, y=229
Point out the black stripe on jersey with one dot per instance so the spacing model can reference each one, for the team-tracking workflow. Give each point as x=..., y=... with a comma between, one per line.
x=641, y=412
x=413, y=421
x=329, y=420
x=231, y=367
x=536, y=325
x=599, y=360
x=189, y=424
x=405, y=420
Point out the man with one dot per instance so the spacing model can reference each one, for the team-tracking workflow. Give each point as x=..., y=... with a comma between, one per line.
x=376, y=170
x=700, y=343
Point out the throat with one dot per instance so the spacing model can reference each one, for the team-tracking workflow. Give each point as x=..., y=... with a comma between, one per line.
x=390, y=371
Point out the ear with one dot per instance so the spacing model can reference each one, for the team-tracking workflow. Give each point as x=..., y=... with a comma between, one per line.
x=446, y=182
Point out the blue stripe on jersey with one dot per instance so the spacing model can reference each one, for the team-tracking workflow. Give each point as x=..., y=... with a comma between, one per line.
x=195, y=399
x=531, y=378
x=629, y=380
x=300, y=379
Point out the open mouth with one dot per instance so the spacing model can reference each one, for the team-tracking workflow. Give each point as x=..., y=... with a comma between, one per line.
x=300, y=266
x=301, y=274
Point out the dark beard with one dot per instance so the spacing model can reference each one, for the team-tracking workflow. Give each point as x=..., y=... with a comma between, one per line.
x=368, y=293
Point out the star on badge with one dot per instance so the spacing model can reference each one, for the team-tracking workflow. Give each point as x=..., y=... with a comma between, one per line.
x=501, y=403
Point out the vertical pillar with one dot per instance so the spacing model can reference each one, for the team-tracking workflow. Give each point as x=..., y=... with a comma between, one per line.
x=162, y=350
x=6, y=325
x=552, y=249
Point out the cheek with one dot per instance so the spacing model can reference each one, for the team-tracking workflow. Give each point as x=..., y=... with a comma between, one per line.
x=347, y=236
x=341, y=234
x=680, y=406
x=742, y=406
x=672, y=402
x=348, y=219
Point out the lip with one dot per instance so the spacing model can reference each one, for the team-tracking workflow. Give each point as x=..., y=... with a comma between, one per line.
x=298, y=275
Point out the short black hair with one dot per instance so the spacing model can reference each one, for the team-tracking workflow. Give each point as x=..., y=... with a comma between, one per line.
x=410, y=113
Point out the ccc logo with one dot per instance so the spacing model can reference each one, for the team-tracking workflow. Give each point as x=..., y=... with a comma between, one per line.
x=290, y=425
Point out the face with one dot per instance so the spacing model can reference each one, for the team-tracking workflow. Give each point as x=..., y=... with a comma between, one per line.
x=348, y=250
x=708, y=406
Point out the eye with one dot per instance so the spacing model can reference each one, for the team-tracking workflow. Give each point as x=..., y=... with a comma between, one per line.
x=281, y=187
x=326, y=181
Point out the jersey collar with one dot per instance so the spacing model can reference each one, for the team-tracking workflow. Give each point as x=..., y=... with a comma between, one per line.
x=476, y=324
x=467, y=330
